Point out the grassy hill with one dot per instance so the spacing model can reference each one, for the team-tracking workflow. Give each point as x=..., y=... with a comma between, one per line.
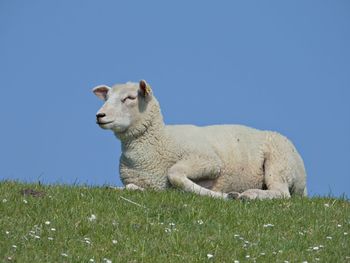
x=97, y=224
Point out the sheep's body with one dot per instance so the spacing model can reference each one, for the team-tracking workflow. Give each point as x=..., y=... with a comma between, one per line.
x=221, y=160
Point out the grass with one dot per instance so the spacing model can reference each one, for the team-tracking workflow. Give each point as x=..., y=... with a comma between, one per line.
x=96, y=224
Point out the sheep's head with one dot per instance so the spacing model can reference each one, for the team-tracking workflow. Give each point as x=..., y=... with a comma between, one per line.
x=124, y=105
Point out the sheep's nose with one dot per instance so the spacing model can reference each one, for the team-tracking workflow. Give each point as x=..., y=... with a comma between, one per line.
x=100, y=115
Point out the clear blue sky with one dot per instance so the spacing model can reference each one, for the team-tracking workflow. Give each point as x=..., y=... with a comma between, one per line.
x=277, y=65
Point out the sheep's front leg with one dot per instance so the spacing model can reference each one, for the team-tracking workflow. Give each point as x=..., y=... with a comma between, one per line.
x=182, y=173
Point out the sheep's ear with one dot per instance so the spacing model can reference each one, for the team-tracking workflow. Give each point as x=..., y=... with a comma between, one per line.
x=145, y=88
x=101, y=91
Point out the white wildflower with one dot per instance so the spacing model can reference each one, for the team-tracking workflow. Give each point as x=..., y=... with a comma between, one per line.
x=339, y=225
x=317, y=259
x=286, y=261
x=91, y=260
x=47, y=222
x=64, y=255
x=4, y=200
x=345, y=233
x=92, y=218
x=114, y=241
x=315, y=248
x=50, y=238
x=247, y=256
x=25, y=201
x=326, y=205
x=200, y=222
x=262, y=253
x=107, y=260
x=236, y=235
x=36, y=237
x=321, y=246
x=329, y=237
x=53, y=229
x=167, y=230
x=7, y=232
x=209, y=256
x=268, y=225
x=171, y=224
x=236, y=261
x=14, y=246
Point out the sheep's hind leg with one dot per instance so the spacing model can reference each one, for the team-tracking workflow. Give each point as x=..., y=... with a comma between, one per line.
x=182, y=173
x=251, y=194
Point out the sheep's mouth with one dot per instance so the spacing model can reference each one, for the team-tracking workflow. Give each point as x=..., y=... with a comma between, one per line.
x=103, y=123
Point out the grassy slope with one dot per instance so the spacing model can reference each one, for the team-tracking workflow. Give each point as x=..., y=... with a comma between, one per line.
x=171, y=227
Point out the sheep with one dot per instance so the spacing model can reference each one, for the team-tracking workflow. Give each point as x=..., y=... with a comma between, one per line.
x=221, y=161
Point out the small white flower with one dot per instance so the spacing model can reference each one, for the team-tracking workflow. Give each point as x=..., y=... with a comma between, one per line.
x=50, y=238
x=47, y=222
x=329, y=237
x=345, y=233
x=14, y=246
x=64, y=255
x=4, y=200
x=185, y=205
x=25, y=201
x=268, y=225
x=280, y=251
x=321, y=246
x=236, y=235
x=36, y=237
x=92, y=218
x=317, y=259
x=236, y=261
x=315, y=248
x=304, y=261
x=53, y=229
x=247, y=256
x=9, y=258
x=262, y=253
x=209, y=256
x=91, y=260
x=167, y=230
x=200, y=222
x=339, y=225
x=171, y=224
x=326, y=205
x=301, y=233
x=7, y=232
x=107, y=260
x=286, y=261
x=114, y=241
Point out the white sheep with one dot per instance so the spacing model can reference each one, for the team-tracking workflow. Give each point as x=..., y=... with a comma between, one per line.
x=223, y=161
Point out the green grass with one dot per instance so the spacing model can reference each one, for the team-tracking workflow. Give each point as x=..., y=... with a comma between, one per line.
x=169, y=226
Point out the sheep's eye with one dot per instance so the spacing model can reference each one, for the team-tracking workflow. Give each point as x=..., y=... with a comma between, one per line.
x=129, y=98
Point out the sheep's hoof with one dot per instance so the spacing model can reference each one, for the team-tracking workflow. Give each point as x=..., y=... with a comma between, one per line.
x=233, y=195
x=133, y=187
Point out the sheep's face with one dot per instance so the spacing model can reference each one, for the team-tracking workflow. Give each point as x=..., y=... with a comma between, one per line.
x=124, y=105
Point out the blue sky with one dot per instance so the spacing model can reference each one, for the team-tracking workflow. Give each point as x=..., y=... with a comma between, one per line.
x=276, y=65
